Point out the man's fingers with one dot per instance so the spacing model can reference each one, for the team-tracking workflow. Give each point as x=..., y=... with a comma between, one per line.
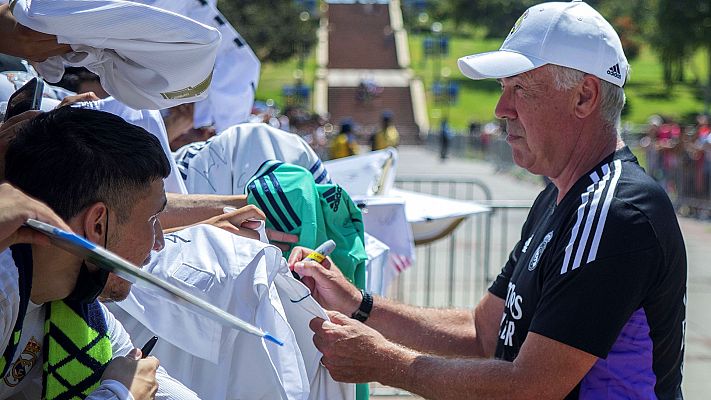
x=252, y=224
x=243, y=214
x=310, y=268
x=134, y=354
x=283, y=237
x=69, y=100
x=316, y=324
x=338, y=318
x=229, y=227
x=9, y=127
x=297, y=254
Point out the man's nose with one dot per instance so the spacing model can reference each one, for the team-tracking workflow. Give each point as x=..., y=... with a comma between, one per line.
x=505, y=107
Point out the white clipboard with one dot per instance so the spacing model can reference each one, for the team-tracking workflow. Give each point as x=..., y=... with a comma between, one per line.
x=111, y=262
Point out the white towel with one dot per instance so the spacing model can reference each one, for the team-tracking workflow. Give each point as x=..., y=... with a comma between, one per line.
x=147, y=58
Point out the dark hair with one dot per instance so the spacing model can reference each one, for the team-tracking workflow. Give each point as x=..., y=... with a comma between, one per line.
x=70, y=158
x=75, y=76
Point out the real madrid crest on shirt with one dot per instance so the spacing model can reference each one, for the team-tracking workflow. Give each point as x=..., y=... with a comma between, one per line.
x=539, y=251
x=24, y=363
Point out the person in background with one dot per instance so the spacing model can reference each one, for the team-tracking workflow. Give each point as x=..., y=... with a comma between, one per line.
x=57, y=340
x=591, y=303
x=344, y=144
x=445, y=137
x=387, y=136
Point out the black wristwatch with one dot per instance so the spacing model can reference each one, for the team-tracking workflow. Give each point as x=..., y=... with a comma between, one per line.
x=366, y=305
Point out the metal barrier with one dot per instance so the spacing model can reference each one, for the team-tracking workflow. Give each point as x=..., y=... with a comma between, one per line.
x=456, y=270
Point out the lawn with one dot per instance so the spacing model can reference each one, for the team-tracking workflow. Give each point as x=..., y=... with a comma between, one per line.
x=477, y=99
x=274, y=76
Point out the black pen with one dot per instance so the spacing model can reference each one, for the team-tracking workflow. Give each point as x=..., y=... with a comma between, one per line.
x=146, y=349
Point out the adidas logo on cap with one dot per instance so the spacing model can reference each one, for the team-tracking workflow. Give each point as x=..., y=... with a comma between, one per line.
x=615, y=71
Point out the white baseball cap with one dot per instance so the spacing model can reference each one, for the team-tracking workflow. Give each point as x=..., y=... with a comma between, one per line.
x=570, y=34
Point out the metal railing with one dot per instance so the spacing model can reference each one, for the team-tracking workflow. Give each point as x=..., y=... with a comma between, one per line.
x=456, y=270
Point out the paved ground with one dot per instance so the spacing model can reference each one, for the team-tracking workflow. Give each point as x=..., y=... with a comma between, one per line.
x=417, y=161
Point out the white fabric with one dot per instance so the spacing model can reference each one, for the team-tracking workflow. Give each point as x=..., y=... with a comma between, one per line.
x=146, y=57
x=9, y=297
x=300, y=309
x=150, y=121
x=224, y=164
x=235, y=274
x=421, y=207
x=378, y=266
x=386, y=220
x=570, y=34
x=236, y=73
x=30, y=387
x=111, y=389
x=364, y=174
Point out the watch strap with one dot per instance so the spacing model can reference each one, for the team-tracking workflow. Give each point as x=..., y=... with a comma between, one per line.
x=366, y=306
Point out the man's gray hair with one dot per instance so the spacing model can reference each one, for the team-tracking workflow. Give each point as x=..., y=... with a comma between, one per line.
x=612, y=96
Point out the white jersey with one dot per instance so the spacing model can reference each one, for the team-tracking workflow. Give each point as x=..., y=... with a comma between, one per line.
x=236, y=74
x=145, y=56
x=224, y=164
x=23, y=380
x=237, y=275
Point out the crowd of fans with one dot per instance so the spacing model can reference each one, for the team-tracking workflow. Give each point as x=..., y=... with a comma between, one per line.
x=679, y=158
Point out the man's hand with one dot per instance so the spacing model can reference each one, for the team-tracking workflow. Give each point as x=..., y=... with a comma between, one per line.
x=354, y=352
x=23, y=42
x=192, y=135
x=327, y=284
x=179, y=120
x=138, y=375
x=8, y=130
x=15, y=208
x=78, y=98
x=241, y=221
x=244, y=222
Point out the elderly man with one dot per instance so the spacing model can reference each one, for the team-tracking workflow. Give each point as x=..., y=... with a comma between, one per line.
x=591, y=303
x=58, y=342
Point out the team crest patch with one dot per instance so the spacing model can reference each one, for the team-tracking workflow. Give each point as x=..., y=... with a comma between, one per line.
x=24, y=363
x=539, y=251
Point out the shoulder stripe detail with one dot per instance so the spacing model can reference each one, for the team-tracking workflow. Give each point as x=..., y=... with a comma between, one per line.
x=591, y=217
x=594, y=177
x=605, y=209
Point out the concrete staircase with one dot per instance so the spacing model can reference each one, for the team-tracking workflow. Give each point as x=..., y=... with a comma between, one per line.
x=360, y=37
x=342, y=103
x=368, y=42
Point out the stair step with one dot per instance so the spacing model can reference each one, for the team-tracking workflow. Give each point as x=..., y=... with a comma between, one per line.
x=343, y=103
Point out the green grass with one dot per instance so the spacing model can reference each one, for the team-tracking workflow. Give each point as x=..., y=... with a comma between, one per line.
x=275, y=75
x=645, y=90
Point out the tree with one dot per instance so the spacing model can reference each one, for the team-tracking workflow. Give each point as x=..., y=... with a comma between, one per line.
x=497, y=16
x=275, y=29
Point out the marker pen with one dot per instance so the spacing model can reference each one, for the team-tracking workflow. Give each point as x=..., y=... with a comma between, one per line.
x=319, y=254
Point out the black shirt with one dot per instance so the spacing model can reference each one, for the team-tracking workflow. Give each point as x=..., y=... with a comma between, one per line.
x=604, y=271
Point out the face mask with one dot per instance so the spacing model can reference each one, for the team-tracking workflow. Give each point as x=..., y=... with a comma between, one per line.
x=90, y=284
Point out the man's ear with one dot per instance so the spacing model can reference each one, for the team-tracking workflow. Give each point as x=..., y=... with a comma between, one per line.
x=94, y=223
x=587, y=96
